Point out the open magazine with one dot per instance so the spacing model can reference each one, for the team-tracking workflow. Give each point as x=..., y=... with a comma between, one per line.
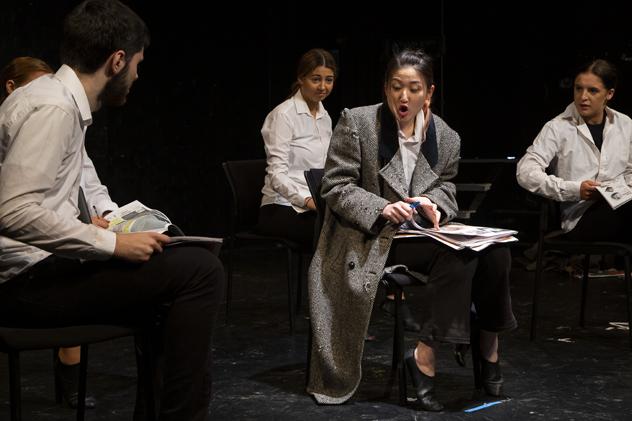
x=616, y=192
x=459, y=236
x=136, y=217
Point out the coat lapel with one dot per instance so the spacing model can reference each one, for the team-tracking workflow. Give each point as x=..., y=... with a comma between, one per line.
x=423, y=176
x=393, y=175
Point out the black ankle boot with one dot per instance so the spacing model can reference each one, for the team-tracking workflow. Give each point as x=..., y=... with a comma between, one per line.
x=492, y=377
x=67, y=378
x=424, y=384
x=410, y=324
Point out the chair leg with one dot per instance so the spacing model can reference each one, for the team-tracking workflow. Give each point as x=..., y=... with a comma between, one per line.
x=309, y=353
x=81, y=390
x=399, y=339
x=290, y=287
x=539, y=269
x=146, y=369
x=229, y=278
x=57, y=378
x=475, y=344
x=299, y=283
x=628, y=290
x=15, y=388
x=582, y=309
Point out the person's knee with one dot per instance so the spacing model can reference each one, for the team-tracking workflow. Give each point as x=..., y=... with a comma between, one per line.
x=456, y=266
x=209, y=268
x=497, y=263
x=199, y=266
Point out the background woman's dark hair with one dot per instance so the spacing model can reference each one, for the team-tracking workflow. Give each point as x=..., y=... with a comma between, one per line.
x=19, y=70
x=605, y=70
x=97, y=28
x=311, y=60
x=417, y=59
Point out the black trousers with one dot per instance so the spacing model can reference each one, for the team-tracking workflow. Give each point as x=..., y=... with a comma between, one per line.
x=601, y=223
x=60, y=292
x=456, y=279
x=285, y=222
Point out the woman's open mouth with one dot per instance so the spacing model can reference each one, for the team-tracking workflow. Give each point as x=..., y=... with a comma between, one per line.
x=402, y=110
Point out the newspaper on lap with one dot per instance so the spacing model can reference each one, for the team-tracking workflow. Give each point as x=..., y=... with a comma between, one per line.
x=616, y=191
x=136, y=217
x=459, y=236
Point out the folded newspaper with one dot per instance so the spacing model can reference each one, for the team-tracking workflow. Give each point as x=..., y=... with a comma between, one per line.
x=459, y=236
x=136, y=217
x=616, y=192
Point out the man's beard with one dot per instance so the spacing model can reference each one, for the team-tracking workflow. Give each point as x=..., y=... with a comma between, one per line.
x=115, y=92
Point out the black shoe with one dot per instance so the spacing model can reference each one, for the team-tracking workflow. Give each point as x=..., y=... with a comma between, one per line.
x=424, y=384
x=68, y=381
x=492, y=377
x=410, y=325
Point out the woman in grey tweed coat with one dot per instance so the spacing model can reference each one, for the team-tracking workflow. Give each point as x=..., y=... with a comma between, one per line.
x=377, y=165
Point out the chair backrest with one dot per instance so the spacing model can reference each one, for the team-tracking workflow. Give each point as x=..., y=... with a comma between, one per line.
x=549, y=215
x=246, y=179
x=314, y=178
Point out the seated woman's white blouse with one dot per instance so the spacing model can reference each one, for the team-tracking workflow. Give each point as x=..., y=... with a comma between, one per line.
x=294, y=141
x=566, y=149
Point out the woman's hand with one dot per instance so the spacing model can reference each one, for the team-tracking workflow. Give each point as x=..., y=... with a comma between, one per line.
x=430, y=210
x=588, y=190
x=309, y=203
x=397, y=212
x=99, y=221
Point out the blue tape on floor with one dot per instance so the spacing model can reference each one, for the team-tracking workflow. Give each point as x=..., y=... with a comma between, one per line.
x=483, y=406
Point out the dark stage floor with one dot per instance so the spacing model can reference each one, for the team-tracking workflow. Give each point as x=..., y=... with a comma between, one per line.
x=569, y=373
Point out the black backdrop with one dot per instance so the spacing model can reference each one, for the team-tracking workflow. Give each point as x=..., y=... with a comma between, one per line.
x=210, y=78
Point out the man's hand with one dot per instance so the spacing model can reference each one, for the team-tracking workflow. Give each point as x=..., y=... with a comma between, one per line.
x=139, y=246
x=429, y=209
x=397, y=212
x=588, y=190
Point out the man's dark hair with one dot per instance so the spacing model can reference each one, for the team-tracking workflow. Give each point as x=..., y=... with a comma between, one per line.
x=97, y=28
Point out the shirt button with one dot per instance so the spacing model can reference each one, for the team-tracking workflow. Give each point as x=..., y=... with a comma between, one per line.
x=351, y=265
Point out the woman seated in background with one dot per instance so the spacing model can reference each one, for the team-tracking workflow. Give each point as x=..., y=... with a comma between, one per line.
x=381, y=161
x=296, y=137
x=589, y=143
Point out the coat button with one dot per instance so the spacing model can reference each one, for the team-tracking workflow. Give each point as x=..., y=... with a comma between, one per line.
x=351, y=265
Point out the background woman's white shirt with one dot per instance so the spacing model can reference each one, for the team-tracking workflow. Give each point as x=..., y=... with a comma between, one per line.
x=294, y=141
x=566, y=145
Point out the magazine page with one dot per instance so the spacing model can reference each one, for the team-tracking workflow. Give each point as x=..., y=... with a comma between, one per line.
x=459, y=236
x=136, y=217
x=461, y=229
x=212, y=243
x=616, y=192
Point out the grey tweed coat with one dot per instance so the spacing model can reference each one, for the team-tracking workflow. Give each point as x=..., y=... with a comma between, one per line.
x=354, y=242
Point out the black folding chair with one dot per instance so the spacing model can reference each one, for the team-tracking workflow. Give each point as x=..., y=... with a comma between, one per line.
x=246, y=179
x=14, y=340
x=549, y=210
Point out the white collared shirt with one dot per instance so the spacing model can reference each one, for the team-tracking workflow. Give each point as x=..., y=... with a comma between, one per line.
x=96, y=194
x=565, y=143
x=409, y=147
x=42, y=129
x=294, y=141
